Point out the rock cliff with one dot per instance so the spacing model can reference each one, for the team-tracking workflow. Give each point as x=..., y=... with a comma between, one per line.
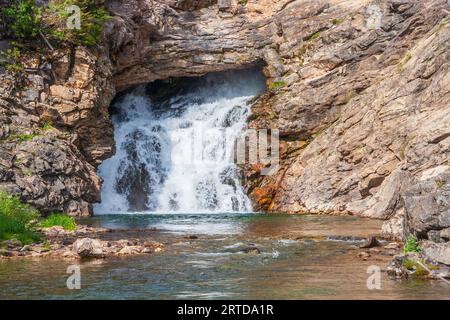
x=358, y=89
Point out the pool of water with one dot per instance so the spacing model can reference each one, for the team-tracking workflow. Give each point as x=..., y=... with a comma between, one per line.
x=300, y=259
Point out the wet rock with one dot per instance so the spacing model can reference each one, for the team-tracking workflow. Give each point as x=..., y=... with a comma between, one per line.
x=370, y=242
x=146, y=250
x=252, y=250
x=25, y=248
x=389, y=252
x=40, y=249
x=69, y=255
x=128, y=250
x=5, y=253
x=88, y=248
x=364, y=255
x=442, y=272
x=345, y=238
x=392, y=246
x=12, y=244
x=395, y=268
x=192, y=237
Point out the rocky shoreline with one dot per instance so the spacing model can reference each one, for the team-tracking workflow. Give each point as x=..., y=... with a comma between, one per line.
x=86, y=243
x=83, y=243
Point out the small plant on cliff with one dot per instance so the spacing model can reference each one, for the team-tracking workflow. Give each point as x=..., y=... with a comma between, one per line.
x=277, y=84
x=401, y=64
x=412, y=244
x=314, y=36
x=25, y=18
x=59, y=219
x=337, y=21
x=11, y=59
x=47, y=126
x=17, y=220
x=28, y=21
x=92, y=17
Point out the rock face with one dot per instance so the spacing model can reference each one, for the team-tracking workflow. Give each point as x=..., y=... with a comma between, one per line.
x=360, y=94
x=363, y=117
x=55, y=130
x=427, y=204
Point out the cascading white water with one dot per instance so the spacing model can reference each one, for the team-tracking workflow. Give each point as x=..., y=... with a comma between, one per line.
x=175, y=155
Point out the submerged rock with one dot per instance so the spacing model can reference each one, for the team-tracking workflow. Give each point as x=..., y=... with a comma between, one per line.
x=363, y=255
x=252, y=250
x=370, y=242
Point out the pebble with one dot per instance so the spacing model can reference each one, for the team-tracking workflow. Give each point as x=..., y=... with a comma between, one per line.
x=364, y=255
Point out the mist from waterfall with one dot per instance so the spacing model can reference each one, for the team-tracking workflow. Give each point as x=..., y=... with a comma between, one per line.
x=174, y=146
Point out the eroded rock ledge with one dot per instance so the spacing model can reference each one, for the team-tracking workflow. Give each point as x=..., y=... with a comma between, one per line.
x=363, y=112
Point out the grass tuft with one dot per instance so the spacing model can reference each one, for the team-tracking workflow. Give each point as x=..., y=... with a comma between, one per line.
x=59, y=219
x=412, y=245
x=17, y=220
x=277, y=84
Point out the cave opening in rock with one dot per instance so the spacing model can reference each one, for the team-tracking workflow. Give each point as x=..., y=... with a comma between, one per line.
x=174, y=143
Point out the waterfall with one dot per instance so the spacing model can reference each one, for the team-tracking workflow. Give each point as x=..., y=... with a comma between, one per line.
x=175, y=145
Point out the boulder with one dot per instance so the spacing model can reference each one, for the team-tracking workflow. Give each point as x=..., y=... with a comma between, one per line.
x=437, y=252
x=427, y=204
x=88, y=248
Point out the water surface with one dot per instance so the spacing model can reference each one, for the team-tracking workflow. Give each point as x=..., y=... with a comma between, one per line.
x=297, y=261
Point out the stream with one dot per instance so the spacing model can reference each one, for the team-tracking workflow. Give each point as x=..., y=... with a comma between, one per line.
x=173, y=176
x=301, y=257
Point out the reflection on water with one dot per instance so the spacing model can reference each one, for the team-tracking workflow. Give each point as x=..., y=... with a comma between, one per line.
x=296, y=262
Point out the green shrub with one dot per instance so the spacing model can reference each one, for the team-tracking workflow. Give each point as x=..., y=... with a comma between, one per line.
x=22, y=137
x=92, y=18
x=59, y=219
x=12, y=59
x=25, y=18
x=29, y=21
x=17, y=220
x=412, y=244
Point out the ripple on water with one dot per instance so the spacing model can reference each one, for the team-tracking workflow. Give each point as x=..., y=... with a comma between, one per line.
x=211, y=266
